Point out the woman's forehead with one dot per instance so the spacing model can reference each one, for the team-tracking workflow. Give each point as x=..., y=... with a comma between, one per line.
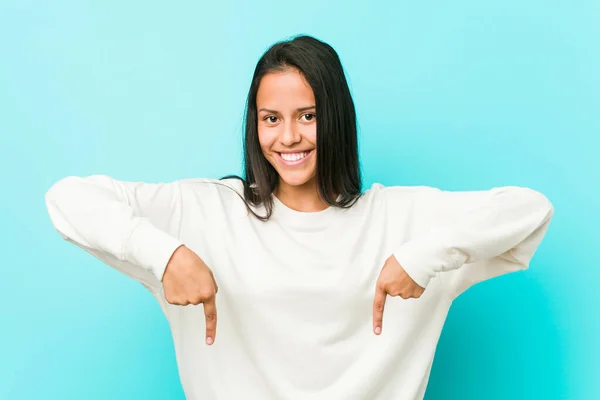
x=284, y=89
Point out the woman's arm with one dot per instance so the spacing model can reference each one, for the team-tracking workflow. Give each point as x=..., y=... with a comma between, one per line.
x=506, y=224
x=132, y=226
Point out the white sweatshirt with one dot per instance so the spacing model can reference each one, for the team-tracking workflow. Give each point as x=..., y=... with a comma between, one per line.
x=296, y=293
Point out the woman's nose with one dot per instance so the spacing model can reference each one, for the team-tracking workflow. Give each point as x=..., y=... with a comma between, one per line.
x=290, y=135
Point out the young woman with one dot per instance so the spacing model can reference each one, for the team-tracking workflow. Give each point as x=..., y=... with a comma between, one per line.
x=324, y=291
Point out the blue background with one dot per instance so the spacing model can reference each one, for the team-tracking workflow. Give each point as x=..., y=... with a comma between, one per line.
x=460, y=95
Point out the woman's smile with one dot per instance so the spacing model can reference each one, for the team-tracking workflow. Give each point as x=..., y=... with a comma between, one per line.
x=293, y=159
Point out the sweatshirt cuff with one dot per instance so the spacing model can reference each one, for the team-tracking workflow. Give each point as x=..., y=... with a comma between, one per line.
x=422, y=259
x=150, y=248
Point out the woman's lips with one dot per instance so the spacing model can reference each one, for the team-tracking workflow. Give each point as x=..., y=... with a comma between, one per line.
x=292, y=159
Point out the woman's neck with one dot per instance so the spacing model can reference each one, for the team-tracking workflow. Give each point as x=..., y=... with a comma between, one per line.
x=304, y=198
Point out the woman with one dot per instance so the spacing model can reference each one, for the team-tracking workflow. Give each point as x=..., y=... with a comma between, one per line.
x=302, y=263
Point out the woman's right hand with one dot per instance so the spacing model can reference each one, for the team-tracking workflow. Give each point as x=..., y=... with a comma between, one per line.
x=188, y=280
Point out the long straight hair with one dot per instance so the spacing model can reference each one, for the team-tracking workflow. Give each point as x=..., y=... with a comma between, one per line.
x=338, y=174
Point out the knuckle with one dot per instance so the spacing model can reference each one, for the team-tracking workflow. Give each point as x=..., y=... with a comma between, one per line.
x=206, y=293
x=196, y=300
x=172, y=299
x=386, y=281
x=393, y=287
x=211, y=317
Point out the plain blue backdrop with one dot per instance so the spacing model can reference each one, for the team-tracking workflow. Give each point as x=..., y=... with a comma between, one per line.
x=461, y=95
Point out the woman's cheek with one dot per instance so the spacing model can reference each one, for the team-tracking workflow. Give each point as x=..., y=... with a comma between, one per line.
x=312, y=134
x=266, y=136
x=263, y=139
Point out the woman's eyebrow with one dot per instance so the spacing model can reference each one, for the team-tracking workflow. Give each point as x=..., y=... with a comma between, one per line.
x=277, y=112
x=305, y=108
x=269, y=111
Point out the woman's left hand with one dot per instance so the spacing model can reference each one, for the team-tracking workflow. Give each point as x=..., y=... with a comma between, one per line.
x=393, y=280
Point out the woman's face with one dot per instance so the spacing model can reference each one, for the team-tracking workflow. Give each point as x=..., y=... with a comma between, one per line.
x=287, y=126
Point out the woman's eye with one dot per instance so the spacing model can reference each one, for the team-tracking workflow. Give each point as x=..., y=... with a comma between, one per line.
x=271, y=119
x=309, y=117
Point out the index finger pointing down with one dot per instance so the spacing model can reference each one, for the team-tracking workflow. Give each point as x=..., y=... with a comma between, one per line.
x=378, y=307
x=210, y=314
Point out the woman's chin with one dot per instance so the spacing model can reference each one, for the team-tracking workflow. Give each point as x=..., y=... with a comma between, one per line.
x=296, y=180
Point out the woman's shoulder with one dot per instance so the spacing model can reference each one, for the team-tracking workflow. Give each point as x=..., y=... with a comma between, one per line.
x=399, y=198
x=213, y=185
x=224, y=192
x=379, y=190
x=398, y=203
x=216, y=199
x=378, y=196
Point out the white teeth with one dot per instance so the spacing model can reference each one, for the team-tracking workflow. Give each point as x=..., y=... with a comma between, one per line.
x=293, y=156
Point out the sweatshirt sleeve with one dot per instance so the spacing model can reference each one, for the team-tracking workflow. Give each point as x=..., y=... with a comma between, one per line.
x=484, y=233
x=131, y=226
